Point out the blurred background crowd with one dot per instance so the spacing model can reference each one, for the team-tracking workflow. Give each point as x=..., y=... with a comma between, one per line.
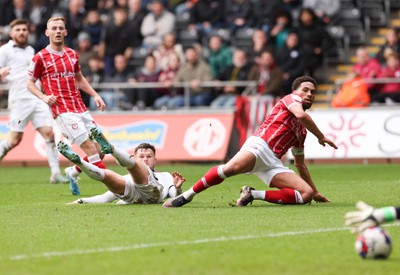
x=270, y=42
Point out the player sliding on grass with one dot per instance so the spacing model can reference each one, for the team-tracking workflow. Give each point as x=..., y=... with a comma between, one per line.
x=368, y=216
x=142, y=185
x=285, y=127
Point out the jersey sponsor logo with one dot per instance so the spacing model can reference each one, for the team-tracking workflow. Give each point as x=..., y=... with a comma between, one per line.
x=62, y=75
x=204, y=137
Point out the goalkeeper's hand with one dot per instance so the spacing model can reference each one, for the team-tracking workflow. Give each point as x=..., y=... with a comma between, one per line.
x=366, y=217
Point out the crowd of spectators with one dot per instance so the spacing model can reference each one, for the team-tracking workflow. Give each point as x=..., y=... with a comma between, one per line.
x=288, y=39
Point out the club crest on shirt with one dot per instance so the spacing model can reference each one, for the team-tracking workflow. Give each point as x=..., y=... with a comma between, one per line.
x=74, y=126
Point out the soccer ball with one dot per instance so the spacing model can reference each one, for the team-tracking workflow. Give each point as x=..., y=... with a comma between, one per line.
x=374, y=243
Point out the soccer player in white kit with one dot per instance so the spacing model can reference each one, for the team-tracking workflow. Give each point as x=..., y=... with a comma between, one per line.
x=141, y=186
x=57, y=67
x=15, y=57
x=284, y=128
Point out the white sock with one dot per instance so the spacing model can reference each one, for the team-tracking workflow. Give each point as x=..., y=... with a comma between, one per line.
x=4, y=147
x=189, y=194
x=52, y=157
x=123, y=158
x=73, y=172
x=95, y=158
x=258, y=195
x=92, y=170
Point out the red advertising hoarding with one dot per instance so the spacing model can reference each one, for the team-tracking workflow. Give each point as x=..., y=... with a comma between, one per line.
x=176, y=136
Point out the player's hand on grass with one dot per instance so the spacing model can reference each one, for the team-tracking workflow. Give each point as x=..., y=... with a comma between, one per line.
x=366, y=217
x=178, y=179
x=78, y=201
x=318, y=197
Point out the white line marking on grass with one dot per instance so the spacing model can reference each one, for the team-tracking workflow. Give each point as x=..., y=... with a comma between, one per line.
x=160, y=244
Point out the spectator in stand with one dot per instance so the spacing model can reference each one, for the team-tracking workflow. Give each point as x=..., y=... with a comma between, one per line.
x=314, y=37
x=220, y=55
x=237, y=71
x=238, y=14
x=268, y=75
x=121, y=4
x=389, y=93
x=85, y=50
x=156, y=24
x=325, y=10
x=136, y=15
x=260, y=43
x=148, y=73
x=292, y=60
x=115, y=40
x=146, y=4
x=264, y=12
x=121, y=73
x=279, y=29
x=169, y=94
x=194, y=72
x=206, y=15
x=40, y=11
x=366, y=67
x=94, y=74
x=74, y=18
x=13, y=9
x=392, y=43
x=184, y=6
x=94, y=27
x=168, y=48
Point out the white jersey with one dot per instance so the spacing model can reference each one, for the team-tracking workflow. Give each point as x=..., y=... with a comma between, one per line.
x=18, y=60
x=160, y=186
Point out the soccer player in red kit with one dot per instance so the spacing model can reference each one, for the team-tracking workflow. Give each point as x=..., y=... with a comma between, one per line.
x=283, y=129
x=58, y=70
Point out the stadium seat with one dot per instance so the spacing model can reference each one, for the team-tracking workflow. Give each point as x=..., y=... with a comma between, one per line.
x=182, y=21
x=187, y=38
x=376, y=12
x=225, y=34
x=342, y=41
x=356, y=26
x=243, y=38
x=138, y=57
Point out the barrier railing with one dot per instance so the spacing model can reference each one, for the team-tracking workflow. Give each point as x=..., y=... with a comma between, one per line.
x=250, y=87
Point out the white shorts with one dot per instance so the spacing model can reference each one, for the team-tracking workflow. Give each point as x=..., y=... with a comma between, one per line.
x=267, y=163
x=142, y=194
x=24, y=110
x=75, y=126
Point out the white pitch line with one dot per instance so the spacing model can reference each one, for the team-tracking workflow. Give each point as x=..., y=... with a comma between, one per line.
x=160, y=244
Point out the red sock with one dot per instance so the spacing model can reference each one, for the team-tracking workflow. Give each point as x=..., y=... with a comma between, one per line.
x=209, y=179
x=282, y=196
x=99, y=164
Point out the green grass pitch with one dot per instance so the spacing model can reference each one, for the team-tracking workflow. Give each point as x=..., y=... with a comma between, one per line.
x=40, y=234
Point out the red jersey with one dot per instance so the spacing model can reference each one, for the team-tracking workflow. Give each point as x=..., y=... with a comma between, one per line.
x=56, y=72
x=281, y=130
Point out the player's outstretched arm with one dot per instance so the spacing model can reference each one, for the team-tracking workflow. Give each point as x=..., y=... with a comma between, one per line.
x=306, y=176
x=368, y=216
x=103, y=198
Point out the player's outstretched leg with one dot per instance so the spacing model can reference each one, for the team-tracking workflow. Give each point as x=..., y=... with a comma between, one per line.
x=66, y=151
x=97, y=135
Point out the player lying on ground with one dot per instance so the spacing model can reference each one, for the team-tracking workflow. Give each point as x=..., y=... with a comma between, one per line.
x=142, y=185
x=368, y=216
x=284, y=128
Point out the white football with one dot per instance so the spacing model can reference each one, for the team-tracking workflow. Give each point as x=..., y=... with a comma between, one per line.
x=374, y=243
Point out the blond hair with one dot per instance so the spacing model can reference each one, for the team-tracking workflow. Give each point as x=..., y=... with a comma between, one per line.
x=52, y=19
